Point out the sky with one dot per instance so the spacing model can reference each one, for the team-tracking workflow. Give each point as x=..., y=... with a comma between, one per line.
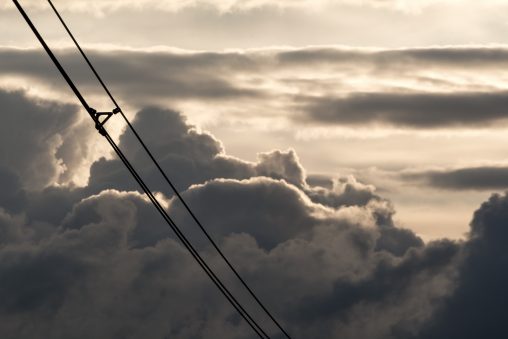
x=349, y=156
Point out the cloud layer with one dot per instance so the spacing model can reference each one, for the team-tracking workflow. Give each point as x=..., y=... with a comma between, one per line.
x=485, y=178
x=416, y=110
x=325, y=86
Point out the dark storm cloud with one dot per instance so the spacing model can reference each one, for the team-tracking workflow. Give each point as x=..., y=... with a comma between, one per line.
x=383, y=283
x=98, y=262
x=336, y=262
x=477, y=308
x=116, y=272
x=51, y=282
x=414, y=110
x=475, y=178
x=342, y=248
x=102, y=256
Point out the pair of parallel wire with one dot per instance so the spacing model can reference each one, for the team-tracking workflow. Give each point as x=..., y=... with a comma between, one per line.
x=187, y=244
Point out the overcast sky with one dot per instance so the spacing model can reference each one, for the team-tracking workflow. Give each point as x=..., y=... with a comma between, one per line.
x=368, y=131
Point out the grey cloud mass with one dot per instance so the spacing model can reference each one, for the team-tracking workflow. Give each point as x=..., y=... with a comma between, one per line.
x=476, y=308
x=40, y=141
x=97, y=261
x=70, y=254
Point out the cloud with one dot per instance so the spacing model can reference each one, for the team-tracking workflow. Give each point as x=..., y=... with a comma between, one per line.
x=192, y=157
x=451, y=57
x=476, y=307
x=484, y=178
x=172, y=75
x=414, y=110
x=12, y=195
x=40, y=141
x=416, y=88
x=101, y=267
x=325, y=254
x=98, y=262
x=284, y=214
x=187, y=155
x=328, y=257
x=343, y=192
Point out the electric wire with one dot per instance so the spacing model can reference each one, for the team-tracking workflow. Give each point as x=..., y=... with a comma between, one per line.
x=195, y=254
x=166, y=178
x=259, y=331
x=52, y=56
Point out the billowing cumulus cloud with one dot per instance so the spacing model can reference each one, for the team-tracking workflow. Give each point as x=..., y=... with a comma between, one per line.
x=476, y=307
x=40, y=141
x=328, y=260
x=95, y=264
x=325, y=254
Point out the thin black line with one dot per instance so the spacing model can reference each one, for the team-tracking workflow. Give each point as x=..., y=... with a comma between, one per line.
x=252, y=323
x=205, y=232
x=53, y=57
x=186, y=242
x=83, y=54
x=184, y=203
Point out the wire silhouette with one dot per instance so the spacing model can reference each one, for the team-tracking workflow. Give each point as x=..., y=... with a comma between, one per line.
x=166, y=178
x=100, y=127
x=259, y=331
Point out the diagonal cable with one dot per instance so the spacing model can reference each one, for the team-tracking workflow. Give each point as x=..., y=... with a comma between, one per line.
x=195, y=254
x=259, y=331
x=166, y=178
